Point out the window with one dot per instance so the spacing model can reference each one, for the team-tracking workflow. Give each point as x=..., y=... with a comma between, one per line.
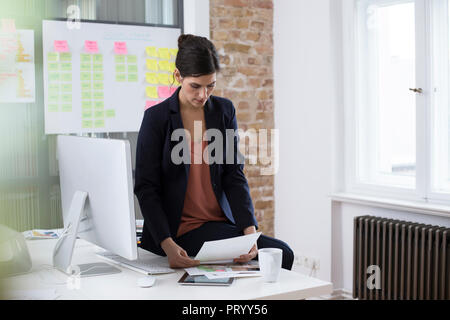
x=397, y=98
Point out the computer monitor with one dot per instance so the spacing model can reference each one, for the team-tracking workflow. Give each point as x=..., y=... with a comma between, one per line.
x=97, y=200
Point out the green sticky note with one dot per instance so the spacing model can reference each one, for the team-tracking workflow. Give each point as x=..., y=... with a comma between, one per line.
x=98, y=95
x=110, y=113
x=85, y=76
x=53, y=86
x=120, y=68
x=132, y=77
x=84, y=57
x=98, y=86
x=66, y=87
x=132, y=68
x=53, y=91
x=98, y=76
x=53, y=76
x=131, y=59
x=85, y=66
x=86, y=124
x=86, y=114
x=121, y=77
x=52, y=108
x=99, y=114
x=66, y=66
x=66, y=77
x=53, y=66
x=98, y=58
x=53, y=98
x=86, y=95
x=66, y=97
x=99, y=123
x=66, y=108
x=86, y=105
x=98, y=67
x=99, y=105
x=65, y=56
x=119, y=58
x=86, y=86
x=52, y=56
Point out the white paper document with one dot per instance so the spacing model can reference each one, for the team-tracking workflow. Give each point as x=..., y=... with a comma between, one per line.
x=224, y=251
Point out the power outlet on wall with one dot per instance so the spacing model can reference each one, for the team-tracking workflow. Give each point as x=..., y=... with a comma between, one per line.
x=311, y=264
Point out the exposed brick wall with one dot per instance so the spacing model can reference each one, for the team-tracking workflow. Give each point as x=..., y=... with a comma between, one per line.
x=242, y=31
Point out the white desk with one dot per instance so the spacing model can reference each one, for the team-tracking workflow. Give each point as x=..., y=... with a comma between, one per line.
x=43, y=279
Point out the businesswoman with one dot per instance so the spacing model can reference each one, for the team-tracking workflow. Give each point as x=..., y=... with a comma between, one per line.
x=187, y=203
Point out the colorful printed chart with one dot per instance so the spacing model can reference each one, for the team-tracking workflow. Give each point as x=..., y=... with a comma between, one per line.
x=17, y=75
x=102, y=77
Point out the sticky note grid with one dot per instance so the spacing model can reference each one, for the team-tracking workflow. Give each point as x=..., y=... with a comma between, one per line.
x=159, y=80
x=59, y=75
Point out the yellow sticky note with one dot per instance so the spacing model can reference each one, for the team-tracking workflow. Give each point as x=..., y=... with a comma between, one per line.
x=173, y=52
x=151, y=52
x=164, y=65
x=151, y=78
x=152, y=64
x=164, y=53
x=163, y=78
x=171, y=67
x=151, y=92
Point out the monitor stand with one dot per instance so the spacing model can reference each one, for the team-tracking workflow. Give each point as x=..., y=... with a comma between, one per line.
x=63, y=251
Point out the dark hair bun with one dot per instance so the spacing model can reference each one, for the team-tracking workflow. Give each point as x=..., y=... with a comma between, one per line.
x=185, y=38
x=196, y=56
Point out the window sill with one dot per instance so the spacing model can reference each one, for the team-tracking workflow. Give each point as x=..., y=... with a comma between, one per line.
x=394, y=204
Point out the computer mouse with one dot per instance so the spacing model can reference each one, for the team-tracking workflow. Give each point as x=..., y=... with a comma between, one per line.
x=146, y=282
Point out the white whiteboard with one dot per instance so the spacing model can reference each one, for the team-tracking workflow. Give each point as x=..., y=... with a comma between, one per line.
x=106, y=91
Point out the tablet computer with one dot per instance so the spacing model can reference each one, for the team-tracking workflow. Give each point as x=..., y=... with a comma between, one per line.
x=201, y=280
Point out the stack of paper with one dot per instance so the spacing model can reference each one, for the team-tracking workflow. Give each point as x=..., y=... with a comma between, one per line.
x=216, y=258
x=250, y=269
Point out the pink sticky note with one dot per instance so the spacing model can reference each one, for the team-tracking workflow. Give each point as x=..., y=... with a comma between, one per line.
x=91, y=46
x=8, y=25
x=61, y=46
x=149, y=104
x=172, y=90
x=120, y=48
x=164, y=92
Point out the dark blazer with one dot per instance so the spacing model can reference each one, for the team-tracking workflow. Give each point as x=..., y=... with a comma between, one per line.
x=160, y=184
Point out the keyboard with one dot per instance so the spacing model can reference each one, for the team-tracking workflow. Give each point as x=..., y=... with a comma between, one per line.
x=144, y=264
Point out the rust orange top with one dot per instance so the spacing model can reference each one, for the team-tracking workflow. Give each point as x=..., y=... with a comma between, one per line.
x=200, y=203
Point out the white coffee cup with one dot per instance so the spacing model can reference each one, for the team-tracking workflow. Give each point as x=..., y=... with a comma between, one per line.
x=270, y=263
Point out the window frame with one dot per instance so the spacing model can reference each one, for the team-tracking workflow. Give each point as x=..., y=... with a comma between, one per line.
x=424, y=103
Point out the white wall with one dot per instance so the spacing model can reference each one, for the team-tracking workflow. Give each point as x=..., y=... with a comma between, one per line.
x=196, y=17
x=304, y=115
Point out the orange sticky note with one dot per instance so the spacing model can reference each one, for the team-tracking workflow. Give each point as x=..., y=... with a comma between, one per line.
x=120, y=48
x=61, y=46
x=91, y=46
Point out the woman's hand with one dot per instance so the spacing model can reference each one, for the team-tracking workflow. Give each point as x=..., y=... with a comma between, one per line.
x=253, y=251
x=178, y=257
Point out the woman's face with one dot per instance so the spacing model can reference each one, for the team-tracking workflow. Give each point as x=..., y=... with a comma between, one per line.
x=196, y=90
